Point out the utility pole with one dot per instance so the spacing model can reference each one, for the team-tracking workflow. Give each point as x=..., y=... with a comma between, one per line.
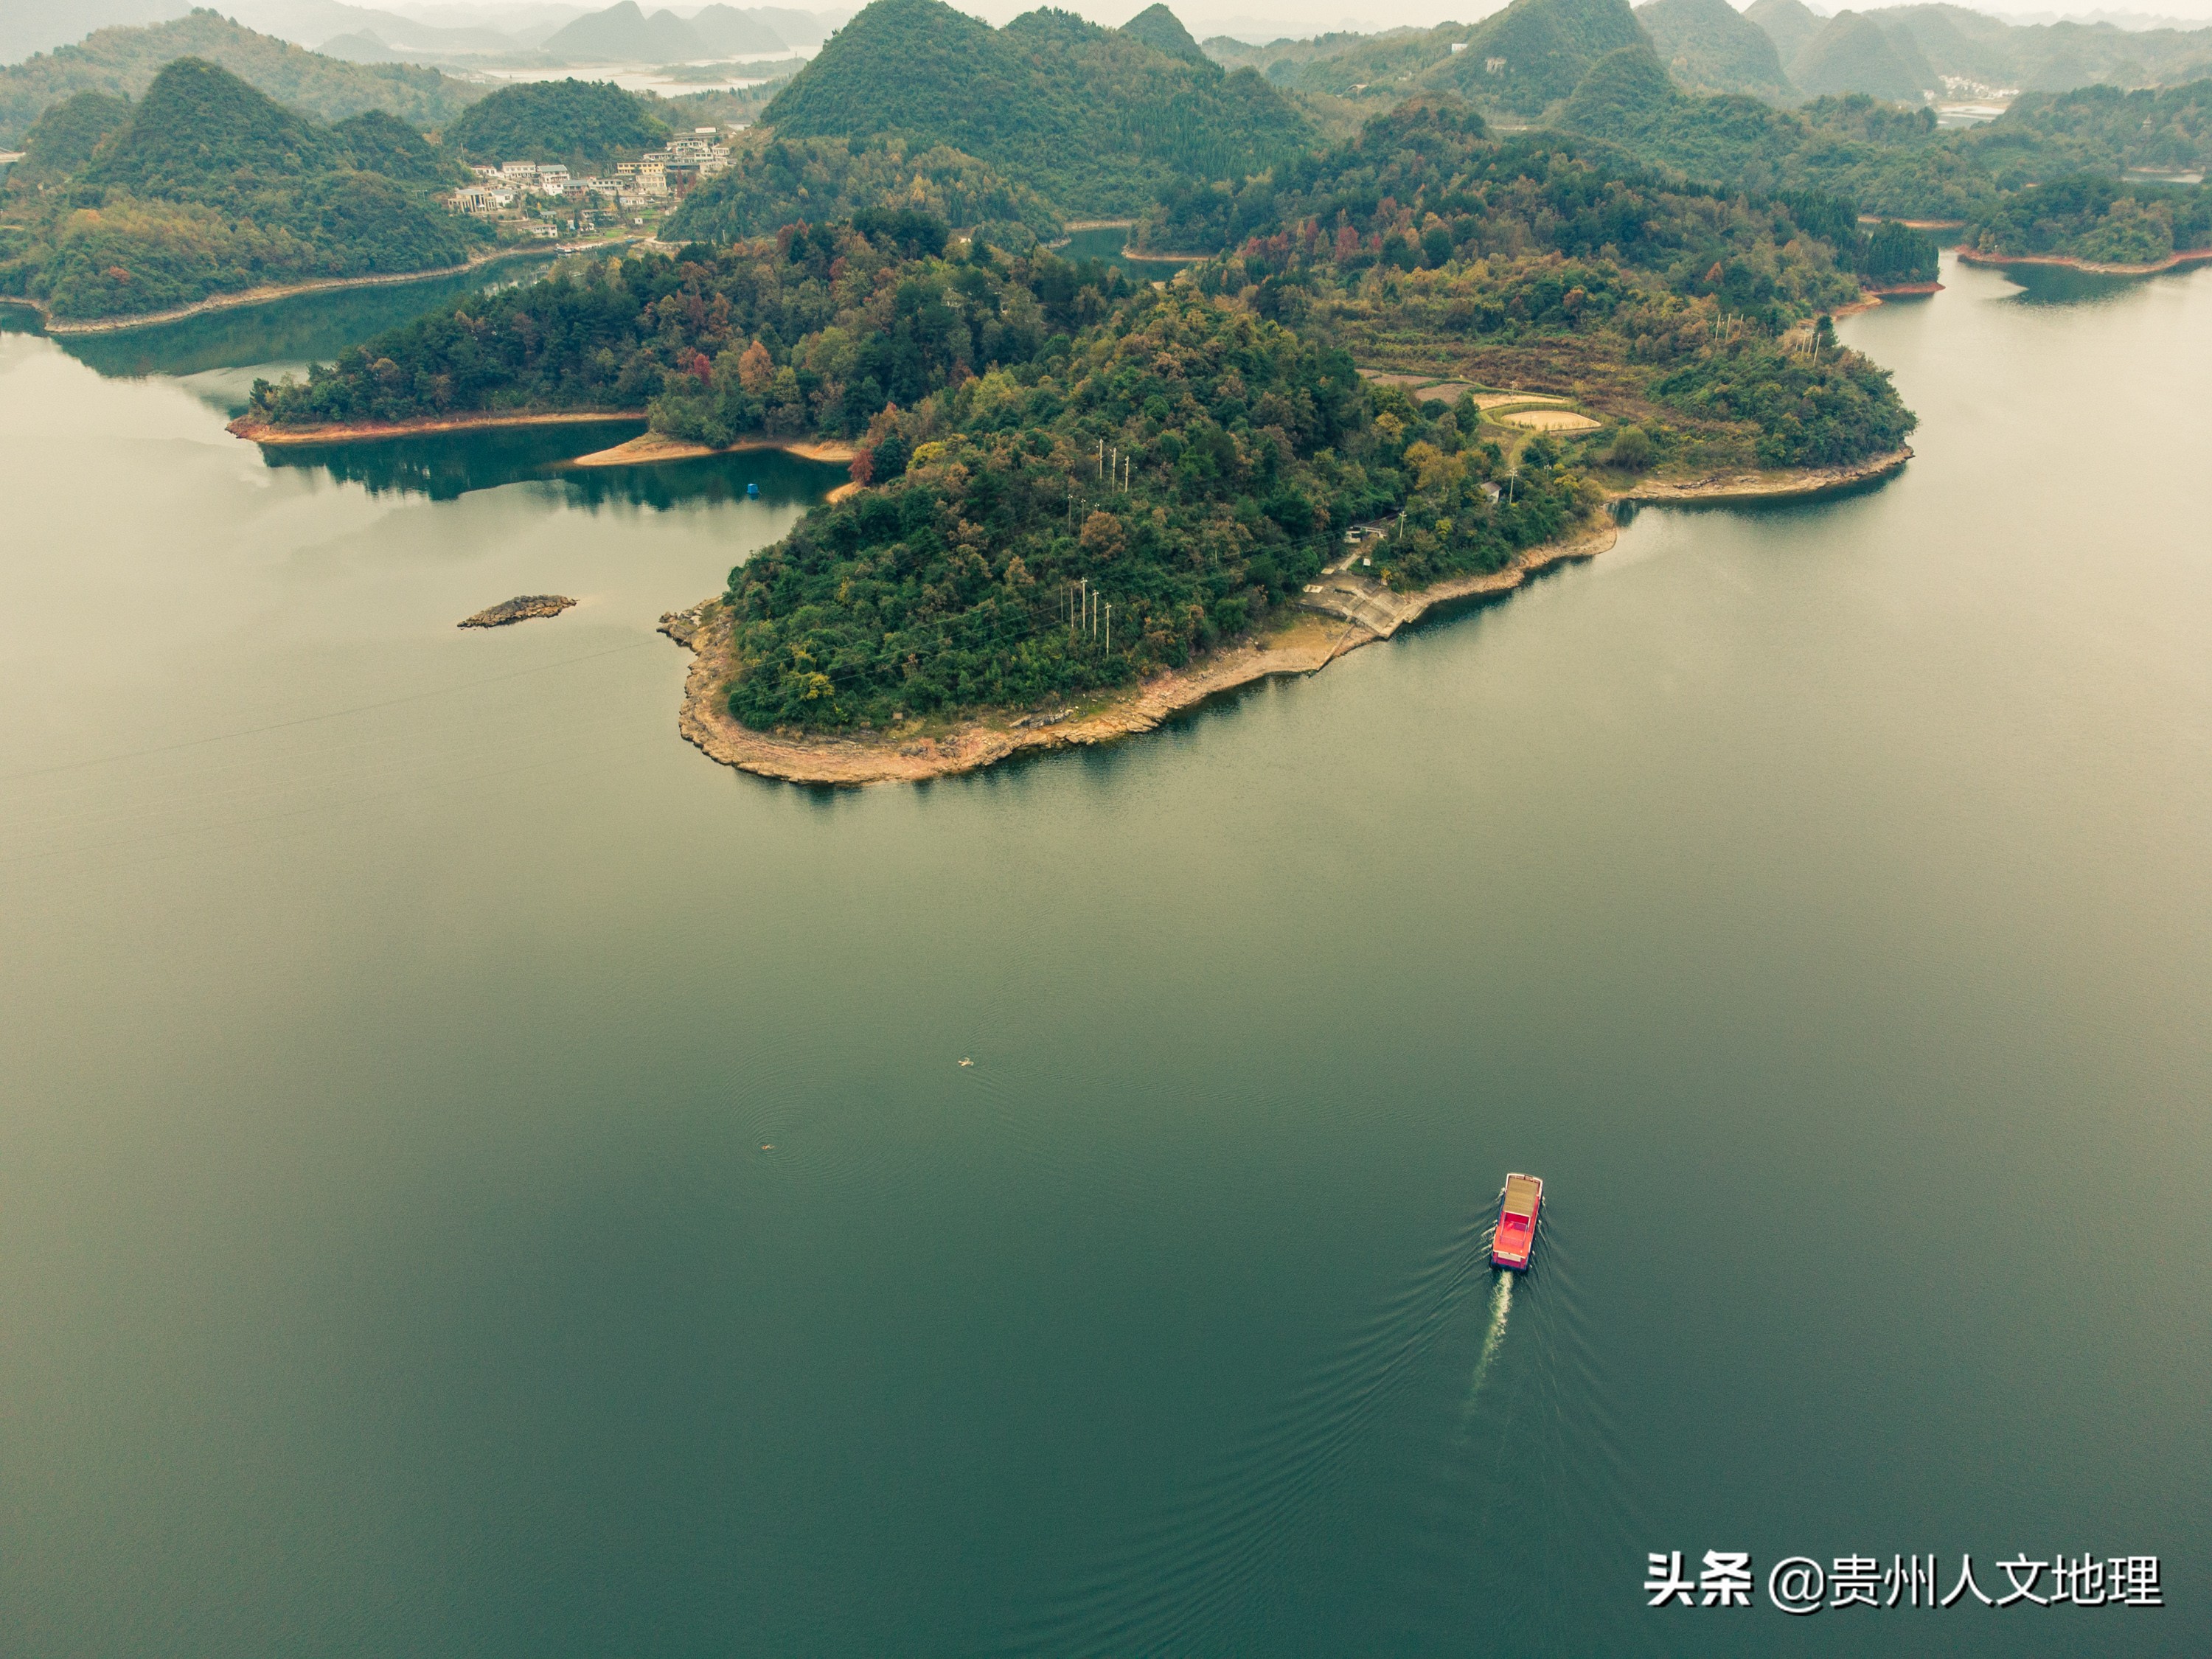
x=1109, y=630
x=1101, y=461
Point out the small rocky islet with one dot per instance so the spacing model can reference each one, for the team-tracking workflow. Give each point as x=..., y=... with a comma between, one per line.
x=517, y=609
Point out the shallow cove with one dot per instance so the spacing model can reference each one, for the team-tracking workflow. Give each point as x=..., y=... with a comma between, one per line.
x=477, y=1178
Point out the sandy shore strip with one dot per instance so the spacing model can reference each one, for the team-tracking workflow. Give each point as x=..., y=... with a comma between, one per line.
x=363, y=432
x=1310, y=643
x=648, y=448
x=258, y=296
x=2066, y=262
x=1794, y=483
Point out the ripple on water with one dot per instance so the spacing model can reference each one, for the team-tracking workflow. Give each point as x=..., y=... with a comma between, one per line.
x=1469, y=1398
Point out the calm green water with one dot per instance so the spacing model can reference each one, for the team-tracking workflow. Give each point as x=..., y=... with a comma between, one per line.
x=477, y=1178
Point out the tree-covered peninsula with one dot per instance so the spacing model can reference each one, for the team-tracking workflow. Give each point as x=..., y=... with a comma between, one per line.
x=1026, y=424
x=2096, y=220
x=981, y=575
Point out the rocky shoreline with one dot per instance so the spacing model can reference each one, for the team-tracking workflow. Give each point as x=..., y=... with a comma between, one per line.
x=517, y=609
x=1310, y=643
x=2067, y=262
x=363, y=432
x=1798, y=484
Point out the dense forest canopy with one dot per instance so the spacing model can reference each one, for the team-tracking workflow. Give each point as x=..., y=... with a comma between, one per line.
x=2098, y=220
x=2096, y=130
x=206, y=186
x=1249, y=450
x=1160, y=28
x=1536, y=261
x=811, y=332
x=61, y=142
x=584, y=124
x=1889, y=160
x=1093, y=120
x=1428, y=183
x=773, y=181
x=1708, y=46
x=1855, y=53
x=1527, y=57
x=125, y=61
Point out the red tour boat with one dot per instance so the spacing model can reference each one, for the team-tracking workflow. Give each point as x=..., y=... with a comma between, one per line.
x=1516, y=1222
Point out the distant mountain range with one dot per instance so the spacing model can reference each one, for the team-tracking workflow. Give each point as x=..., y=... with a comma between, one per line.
x=1520, y=61
x=458, y=35
x=126, y=60
x=1899, y=51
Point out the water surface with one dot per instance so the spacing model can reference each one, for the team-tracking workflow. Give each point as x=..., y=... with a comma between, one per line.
x=477, y=1178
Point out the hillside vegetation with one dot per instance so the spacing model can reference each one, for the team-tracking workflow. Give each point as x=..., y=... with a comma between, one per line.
x=1532, y=54
x=584, y=124
x=1249, y=448
x=1094, y=120
x=1708, y=46
x=1790, y=24
x=125, y=61
x=2099, y=221
x=204, y=186
x=2100, y=130
x=773, y=181
x=1853, y=53
x=943, y=587
x=1888, y=160
x=1428, y=243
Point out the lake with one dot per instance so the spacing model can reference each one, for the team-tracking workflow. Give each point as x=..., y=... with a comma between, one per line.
x=479, y=1178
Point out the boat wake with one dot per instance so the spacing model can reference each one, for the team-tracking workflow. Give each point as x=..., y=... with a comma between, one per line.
x=1493, y=1338
x=1419, y=1455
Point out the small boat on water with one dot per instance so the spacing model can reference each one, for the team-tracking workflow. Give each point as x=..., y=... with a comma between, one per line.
x=752, y=492
x=1517, y=1223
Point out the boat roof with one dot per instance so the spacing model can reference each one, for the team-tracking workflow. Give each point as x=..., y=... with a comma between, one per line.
x=1522, y=1193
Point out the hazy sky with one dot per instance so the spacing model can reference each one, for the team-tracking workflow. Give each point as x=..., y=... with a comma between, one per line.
x=1243, y=17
